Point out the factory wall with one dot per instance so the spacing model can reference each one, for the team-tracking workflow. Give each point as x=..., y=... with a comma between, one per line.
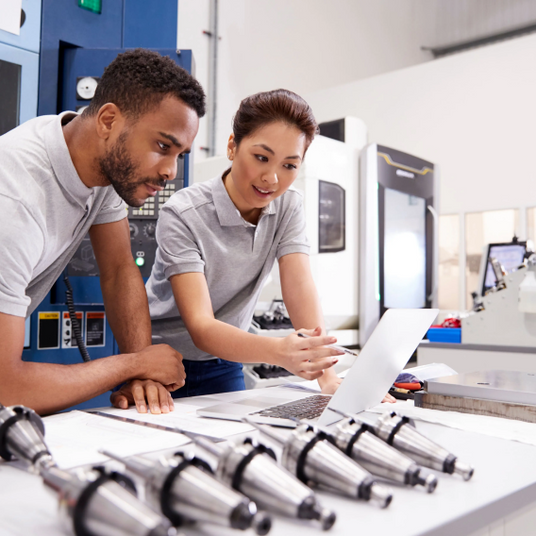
x=472, y=113
x=302, y=45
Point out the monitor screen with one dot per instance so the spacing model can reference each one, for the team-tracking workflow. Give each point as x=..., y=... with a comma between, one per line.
x=509, y=255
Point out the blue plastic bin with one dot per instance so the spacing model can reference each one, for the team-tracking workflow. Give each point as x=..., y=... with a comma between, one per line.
x=445, y=335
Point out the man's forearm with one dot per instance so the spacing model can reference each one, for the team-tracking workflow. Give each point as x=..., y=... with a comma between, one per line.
x=47, y=387
x=127, y=309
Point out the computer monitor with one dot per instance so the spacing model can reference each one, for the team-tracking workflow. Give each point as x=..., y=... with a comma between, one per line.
x=509, y=254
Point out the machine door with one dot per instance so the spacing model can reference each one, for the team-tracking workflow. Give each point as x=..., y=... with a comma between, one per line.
x=397, y=234
x=406, y=230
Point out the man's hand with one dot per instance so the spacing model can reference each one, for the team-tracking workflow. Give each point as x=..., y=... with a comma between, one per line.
x=307, y=357
x=162, y=364
x=389, y=398
x=144, y=393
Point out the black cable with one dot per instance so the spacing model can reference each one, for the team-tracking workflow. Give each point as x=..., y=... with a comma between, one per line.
x=75, y=326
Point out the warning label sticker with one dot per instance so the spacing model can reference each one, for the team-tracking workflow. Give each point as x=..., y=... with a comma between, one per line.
x=95, y=328
x=68, y=339
x=48, y=331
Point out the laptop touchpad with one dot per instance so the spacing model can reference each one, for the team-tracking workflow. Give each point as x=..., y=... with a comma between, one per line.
x=262, y=402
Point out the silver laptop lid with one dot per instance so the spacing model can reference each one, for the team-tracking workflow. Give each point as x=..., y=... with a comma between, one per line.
x=383, y=357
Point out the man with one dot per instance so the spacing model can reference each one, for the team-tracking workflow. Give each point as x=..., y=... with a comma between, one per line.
x=62, y=176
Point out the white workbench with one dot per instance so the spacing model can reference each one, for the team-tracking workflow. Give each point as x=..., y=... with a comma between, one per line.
x=504, y=485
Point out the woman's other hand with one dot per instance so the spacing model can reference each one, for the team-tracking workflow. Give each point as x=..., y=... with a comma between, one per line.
x=330, y=385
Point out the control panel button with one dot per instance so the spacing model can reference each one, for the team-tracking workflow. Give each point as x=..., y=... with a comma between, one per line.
x=149, y=230
x=133, y=230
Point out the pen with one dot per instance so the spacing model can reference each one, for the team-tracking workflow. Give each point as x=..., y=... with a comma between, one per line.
x=334, y=346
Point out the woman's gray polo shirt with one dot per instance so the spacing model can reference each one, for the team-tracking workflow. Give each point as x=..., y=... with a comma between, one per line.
x=200, y=230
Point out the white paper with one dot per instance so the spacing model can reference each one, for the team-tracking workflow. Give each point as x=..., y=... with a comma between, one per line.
x=184, y=417
x=75, y=438
x=524, y=432
x=430, y=371
x=10, y=16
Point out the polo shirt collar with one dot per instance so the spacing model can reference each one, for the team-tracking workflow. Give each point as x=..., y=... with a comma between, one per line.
x=228, y=214
x=62, y=164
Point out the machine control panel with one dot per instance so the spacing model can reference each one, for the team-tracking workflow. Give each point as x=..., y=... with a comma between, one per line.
x=142, y=223
x=151, y=207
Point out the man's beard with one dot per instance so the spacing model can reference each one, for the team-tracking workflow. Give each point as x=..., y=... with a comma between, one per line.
x=118, y=168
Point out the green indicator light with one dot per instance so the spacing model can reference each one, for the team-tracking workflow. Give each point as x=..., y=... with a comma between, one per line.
x=140, y=261
x=95, y=6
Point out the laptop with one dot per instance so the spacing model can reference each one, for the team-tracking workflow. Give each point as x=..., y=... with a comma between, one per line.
x=383, y=357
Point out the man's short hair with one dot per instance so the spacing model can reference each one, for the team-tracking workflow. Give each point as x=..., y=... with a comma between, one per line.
x=138, y=80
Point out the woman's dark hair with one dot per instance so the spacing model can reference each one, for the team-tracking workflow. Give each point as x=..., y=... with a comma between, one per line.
x=268, y=107
x=138, y=80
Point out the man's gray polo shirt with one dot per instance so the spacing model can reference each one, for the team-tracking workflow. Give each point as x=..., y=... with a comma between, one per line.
x=45, y=211
x=200, y=230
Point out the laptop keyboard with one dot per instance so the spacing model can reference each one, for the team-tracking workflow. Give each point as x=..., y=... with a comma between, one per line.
x=305, y=408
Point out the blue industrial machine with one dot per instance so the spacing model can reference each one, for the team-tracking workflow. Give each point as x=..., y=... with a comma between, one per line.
x=55, y=64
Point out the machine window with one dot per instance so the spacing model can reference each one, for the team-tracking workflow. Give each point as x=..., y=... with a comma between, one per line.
x=482, y=228
x=331, y=218
x=10, y=74
x=404, y=250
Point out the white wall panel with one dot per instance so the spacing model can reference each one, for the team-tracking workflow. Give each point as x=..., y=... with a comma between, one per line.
x=472, y=113
x=302, y=45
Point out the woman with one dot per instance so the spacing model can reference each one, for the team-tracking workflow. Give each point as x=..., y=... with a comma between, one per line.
x=217, y=242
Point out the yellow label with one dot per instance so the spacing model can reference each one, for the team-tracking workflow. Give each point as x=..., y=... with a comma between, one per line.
x=49, y=316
